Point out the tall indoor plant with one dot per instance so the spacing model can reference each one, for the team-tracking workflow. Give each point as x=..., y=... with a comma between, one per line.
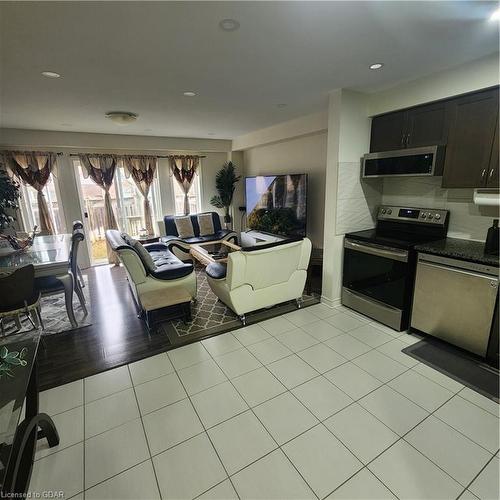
x=225, y=182
x=9, y=196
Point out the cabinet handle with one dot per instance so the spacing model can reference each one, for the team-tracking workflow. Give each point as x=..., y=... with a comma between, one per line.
x=491, y=172
x=407, y=139
x=403, y=140
x=483, y=173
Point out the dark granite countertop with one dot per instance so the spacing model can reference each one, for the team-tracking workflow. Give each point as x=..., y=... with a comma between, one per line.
x=472, y=251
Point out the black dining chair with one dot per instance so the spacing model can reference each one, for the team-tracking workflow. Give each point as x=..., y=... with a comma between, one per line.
x=18, y=296
x=78, y=224
x=51, y=285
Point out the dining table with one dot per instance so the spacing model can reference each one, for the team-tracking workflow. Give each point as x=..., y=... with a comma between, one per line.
x=50, y=257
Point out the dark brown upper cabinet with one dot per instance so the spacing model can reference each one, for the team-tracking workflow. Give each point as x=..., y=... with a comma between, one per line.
x=492, y=181
x=470, y=160
x=425, y=125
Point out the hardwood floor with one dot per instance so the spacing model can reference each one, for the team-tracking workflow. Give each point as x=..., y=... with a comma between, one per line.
x=116, y=336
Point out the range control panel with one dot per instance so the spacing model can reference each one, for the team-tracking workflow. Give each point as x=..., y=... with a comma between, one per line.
x=432, y=216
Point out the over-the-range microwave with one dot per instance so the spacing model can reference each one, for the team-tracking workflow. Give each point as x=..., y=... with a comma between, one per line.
x=423, y=161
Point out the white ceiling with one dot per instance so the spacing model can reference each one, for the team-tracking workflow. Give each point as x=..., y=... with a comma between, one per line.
x=141, y=56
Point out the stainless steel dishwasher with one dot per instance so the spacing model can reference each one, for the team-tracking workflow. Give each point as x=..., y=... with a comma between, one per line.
x=454, y=300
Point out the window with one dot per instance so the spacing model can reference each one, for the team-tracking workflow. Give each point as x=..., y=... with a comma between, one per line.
x=194, y=196
x=29, y=206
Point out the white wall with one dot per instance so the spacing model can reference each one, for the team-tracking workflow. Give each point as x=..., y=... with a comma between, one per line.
x=306, y=154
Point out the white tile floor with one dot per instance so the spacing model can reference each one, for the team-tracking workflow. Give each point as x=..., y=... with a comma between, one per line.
x=319, y=403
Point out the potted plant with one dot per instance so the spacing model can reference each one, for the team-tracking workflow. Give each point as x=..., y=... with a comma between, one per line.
x=9, y=195
x=225, y=182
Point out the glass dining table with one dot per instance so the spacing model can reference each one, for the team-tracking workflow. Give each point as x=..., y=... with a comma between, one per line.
x=50, y=257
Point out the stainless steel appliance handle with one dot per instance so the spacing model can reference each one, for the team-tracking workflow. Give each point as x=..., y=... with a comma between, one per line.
x=494, y=280
x=400, y=255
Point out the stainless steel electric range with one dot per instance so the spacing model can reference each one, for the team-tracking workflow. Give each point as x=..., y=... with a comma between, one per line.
x=379, y=264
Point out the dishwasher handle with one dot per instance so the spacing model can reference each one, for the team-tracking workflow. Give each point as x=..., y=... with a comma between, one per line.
x=493, y=282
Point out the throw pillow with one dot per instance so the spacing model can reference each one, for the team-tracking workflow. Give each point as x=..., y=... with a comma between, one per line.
x=206, y=224
x=145, y=256
x=184, y=227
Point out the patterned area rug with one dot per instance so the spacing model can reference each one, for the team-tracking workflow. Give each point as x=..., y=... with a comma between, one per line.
x=211, y=316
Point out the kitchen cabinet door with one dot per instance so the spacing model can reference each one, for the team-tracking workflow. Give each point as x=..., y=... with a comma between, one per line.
x=492, y=181
x=388, y=132
x=472, y=130
x=428, y=125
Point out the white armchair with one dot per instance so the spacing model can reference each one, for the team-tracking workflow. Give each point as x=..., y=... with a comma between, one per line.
x=261, y=276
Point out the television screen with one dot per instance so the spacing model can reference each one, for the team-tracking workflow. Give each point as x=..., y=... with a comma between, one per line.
x=277, y=204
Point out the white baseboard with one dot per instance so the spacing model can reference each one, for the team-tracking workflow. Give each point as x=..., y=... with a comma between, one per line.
x=329, y=302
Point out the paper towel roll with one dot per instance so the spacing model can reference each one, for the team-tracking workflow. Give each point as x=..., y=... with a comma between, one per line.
x=489, y=197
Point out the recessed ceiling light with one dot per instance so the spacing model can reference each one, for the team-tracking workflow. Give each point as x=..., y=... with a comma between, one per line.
x=229, y=25
x=376, y=65
x=121, y=117
x=51, y=74
x=281, y=105
x=495, y=16
x=189, y=93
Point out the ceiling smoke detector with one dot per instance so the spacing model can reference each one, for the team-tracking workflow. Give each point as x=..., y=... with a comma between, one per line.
x=189, y=93
x=51, y=74
x=229, y=25
x=121, y=117
x=376, y=65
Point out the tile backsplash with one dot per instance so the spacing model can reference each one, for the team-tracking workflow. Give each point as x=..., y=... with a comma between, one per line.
x=467, y=220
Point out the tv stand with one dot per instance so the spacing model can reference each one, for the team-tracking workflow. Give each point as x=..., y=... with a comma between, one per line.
x=252, y=237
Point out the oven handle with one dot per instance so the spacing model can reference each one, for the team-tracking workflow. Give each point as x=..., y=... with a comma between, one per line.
x=400, y=255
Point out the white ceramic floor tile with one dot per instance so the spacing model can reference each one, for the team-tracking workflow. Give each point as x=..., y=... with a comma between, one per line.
x=61, y=471
x=106, y=383
x=379, y=365
x=277, y=325
x=321, y=357
x=300, y=317
x=410, y=475
x=322, y=397
x=394, y=410
x=421, y=390
x=221, y=344
x=223, y=491
x=237, y=363
x=297, y=340
x=69, y=425
x=269, y=350
x=457, y=455
x=371, y=335
x=252, y=334
x=353, y=380
x=486, y=484
x=348, y=346
x=361, y=432
x=114, y=451
x=292, y=371
x=467, y=495
x=188, y=355
x=393, y=350
x=62, y=398
x=322, y=460
x=111, y=411
x=199, y=377
x=388, y=330
x=285, y=417
x=363, y=486
x=321, y=330
x=159, y=392
x=479, y=400
x=438, y=377
x=171, y=425
x=218, y=403
x=322, y=311
x=258, y=386
x=134, y=483
x=240, y=441
x=188, y=469
x=355, y=314
x=150, y=368
x=474, y=422
x=345, y=322
x=410, y=338
x=271, y=478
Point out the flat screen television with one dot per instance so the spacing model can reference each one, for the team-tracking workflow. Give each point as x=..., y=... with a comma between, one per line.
x=277, y=204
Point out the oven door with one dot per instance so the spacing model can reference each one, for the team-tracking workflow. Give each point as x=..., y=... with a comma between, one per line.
x=376, y=280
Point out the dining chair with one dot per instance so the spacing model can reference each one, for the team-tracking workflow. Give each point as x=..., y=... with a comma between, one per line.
x=18, y=295
x=52, y=285
x=78, y=224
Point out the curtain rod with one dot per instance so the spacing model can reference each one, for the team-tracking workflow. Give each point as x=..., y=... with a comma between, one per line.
x=75, y=154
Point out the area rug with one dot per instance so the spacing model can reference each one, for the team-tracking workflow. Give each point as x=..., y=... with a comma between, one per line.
x=458, y=365
x=54, y=315
x=212, y=317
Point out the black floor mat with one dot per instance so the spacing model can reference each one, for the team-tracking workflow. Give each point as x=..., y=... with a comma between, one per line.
x=470, y=371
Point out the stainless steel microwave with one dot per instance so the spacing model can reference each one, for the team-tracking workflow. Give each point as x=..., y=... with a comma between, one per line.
x=423, y=161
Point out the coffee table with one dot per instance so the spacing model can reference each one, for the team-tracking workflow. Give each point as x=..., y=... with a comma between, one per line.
x=206, y=253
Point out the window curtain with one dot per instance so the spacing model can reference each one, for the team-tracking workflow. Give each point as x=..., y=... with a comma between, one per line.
x=34, y=168
x=101, y=169
x=184, y=168
x=142, y=169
